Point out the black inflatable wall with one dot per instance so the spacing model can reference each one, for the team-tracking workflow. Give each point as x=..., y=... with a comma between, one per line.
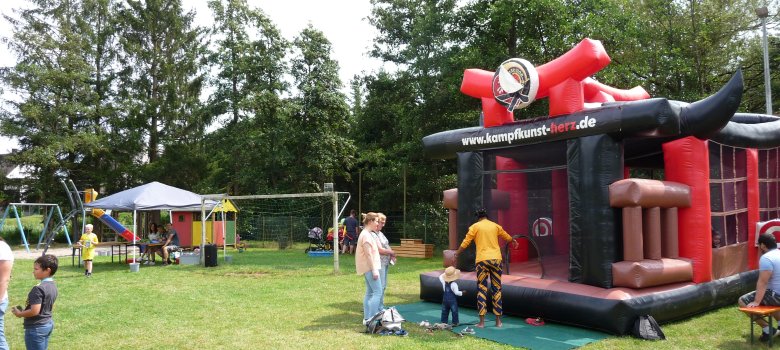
x=750, y=131
x=469, y=200
x=594, y=162
x=609, y=315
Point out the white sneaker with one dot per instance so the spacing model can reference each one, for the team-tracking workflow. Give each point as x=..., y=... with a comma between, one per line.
x=468, y=330
x=365, y=322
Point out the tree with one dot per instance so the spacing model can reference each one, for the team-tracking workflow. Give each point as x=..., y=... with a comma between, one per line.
x=250, y=57
x=318, y=127
x=683, y=50
x=164, y=56
x=65, y=52
x=247, y=66
x=422, y=38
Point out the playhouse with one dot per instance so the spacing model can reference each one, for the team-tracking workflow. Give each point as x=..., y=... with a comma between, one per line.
x=220, y=224
x=599, y=245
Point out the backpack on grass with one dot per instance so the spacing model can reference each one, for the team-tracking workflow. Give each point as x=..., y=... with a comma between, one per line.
x=645, y=327
x=387, y=319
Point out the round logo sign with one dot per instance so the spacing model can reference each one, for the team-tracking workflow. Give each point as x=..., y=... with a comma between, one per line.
x=515, y=83
x=542, y=227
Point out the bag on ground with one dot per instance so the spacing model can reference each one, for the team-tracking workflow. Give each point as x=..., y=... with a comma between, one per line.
x=388, y=319
x=645, y=327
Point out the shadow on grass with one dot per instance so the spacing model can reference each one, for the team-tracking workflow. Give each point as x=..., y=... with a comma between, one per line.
x=96, y=266
x=735, y=344
x=337, y=321
x=350, y=320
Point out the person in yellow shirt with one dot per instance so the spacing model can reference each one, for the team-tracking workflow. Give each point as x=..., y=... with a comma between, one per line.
x=485, y=233
x=88, y=242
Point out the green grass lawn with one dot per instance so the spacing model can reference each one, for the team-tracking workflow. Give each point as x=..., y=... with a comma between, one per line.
x=272, y=299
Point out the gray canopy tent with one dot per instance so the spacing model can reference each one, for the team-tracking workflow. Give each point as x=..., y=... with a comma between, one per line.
x=152, y=196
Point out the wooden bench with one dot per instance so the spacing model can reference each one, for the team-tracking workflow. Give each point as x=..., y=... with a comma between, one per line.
x=763, y=313
x=76, y=251
x=413, y=248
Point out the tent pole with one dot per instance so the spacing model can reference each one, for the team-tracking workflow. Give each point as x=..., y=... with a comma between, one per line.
x=135, y=230
x=335, y=198
x=224, y=233
x=202, y=231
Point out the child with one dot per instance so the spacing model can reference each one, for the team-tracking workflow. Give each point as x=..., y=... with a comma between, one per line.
x=448, y=301
x=88, y=242
x=38, y=323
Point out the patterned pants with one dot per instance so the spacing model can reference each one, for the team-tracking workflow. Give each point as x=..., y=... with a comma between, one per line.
x=492, y=269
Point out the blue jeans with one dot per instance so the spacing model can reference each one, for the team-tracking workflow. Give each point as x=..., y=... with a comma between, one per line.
x=37, y=338
x=383, y=277
x=373, y=298
x=449, y=303
x=3, y=308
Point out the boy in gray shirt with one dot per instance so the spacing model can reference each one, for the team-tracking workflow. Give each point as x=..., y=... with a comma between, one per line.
x=38, y=323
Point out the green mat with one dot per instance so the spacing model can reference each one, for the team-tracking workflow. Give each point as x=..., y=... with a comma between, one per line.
x=514, y=332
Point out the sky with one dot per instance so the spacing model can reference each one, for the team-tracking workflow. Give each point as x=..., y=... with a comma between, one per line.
x=344, y=24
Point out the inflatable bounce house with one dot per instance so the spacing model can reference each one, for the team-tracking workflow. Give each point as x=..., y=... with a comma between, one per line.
x=597, y=247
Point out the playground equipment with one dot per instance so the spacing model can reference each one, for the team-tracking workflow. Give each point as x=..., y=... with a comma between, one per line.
x=49, y=208
x=101, y=215
x=50, y=229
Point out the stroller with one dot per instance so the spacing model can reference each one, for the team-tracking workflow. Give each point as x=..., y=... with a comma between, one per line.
x=316, y=242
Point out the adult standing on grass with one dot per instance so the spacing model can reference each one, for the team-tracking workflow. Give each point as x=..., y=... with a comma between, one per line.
x=386, y=256
x=6, y=265
x=171, y=242
x=350, y=233
x=88, y=242
x=768, y=285
x=367, y=264
x=485, y=234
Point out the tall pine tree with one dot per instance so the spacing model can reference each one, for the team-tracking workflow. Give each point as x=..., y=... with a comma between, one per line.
x=164, y=56
x=319, y=123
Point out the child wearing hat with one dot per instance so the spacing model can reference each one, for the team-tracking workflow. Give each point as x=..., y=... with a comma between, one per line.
x=448, y=301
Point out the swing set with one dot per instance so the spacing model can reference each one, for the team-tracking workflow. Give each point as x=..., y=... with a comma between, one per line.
x=50, y=228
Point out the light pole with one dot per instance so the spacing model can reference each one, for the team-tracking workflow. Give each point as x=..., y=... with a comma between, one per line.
x=763, y=12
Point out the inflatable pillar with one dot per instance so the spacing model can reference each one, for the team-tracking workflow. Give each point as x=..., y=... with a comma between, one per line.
x=687, y=161
x=594, y=162
x=451, y=203
x=753, y=205
x=470, y=165
x=560, y=215
x=514, y=220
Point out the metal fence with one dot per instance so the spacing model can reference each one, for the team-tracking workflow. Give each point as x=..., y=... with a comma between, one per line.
x=283, y=230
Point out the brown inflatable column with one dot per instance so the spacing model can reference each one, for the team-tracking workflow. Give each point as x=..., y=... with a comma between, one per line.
x=451, y=203
x=453, y=229
x=632, y=234
x=670, y=247
x=651, y=232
